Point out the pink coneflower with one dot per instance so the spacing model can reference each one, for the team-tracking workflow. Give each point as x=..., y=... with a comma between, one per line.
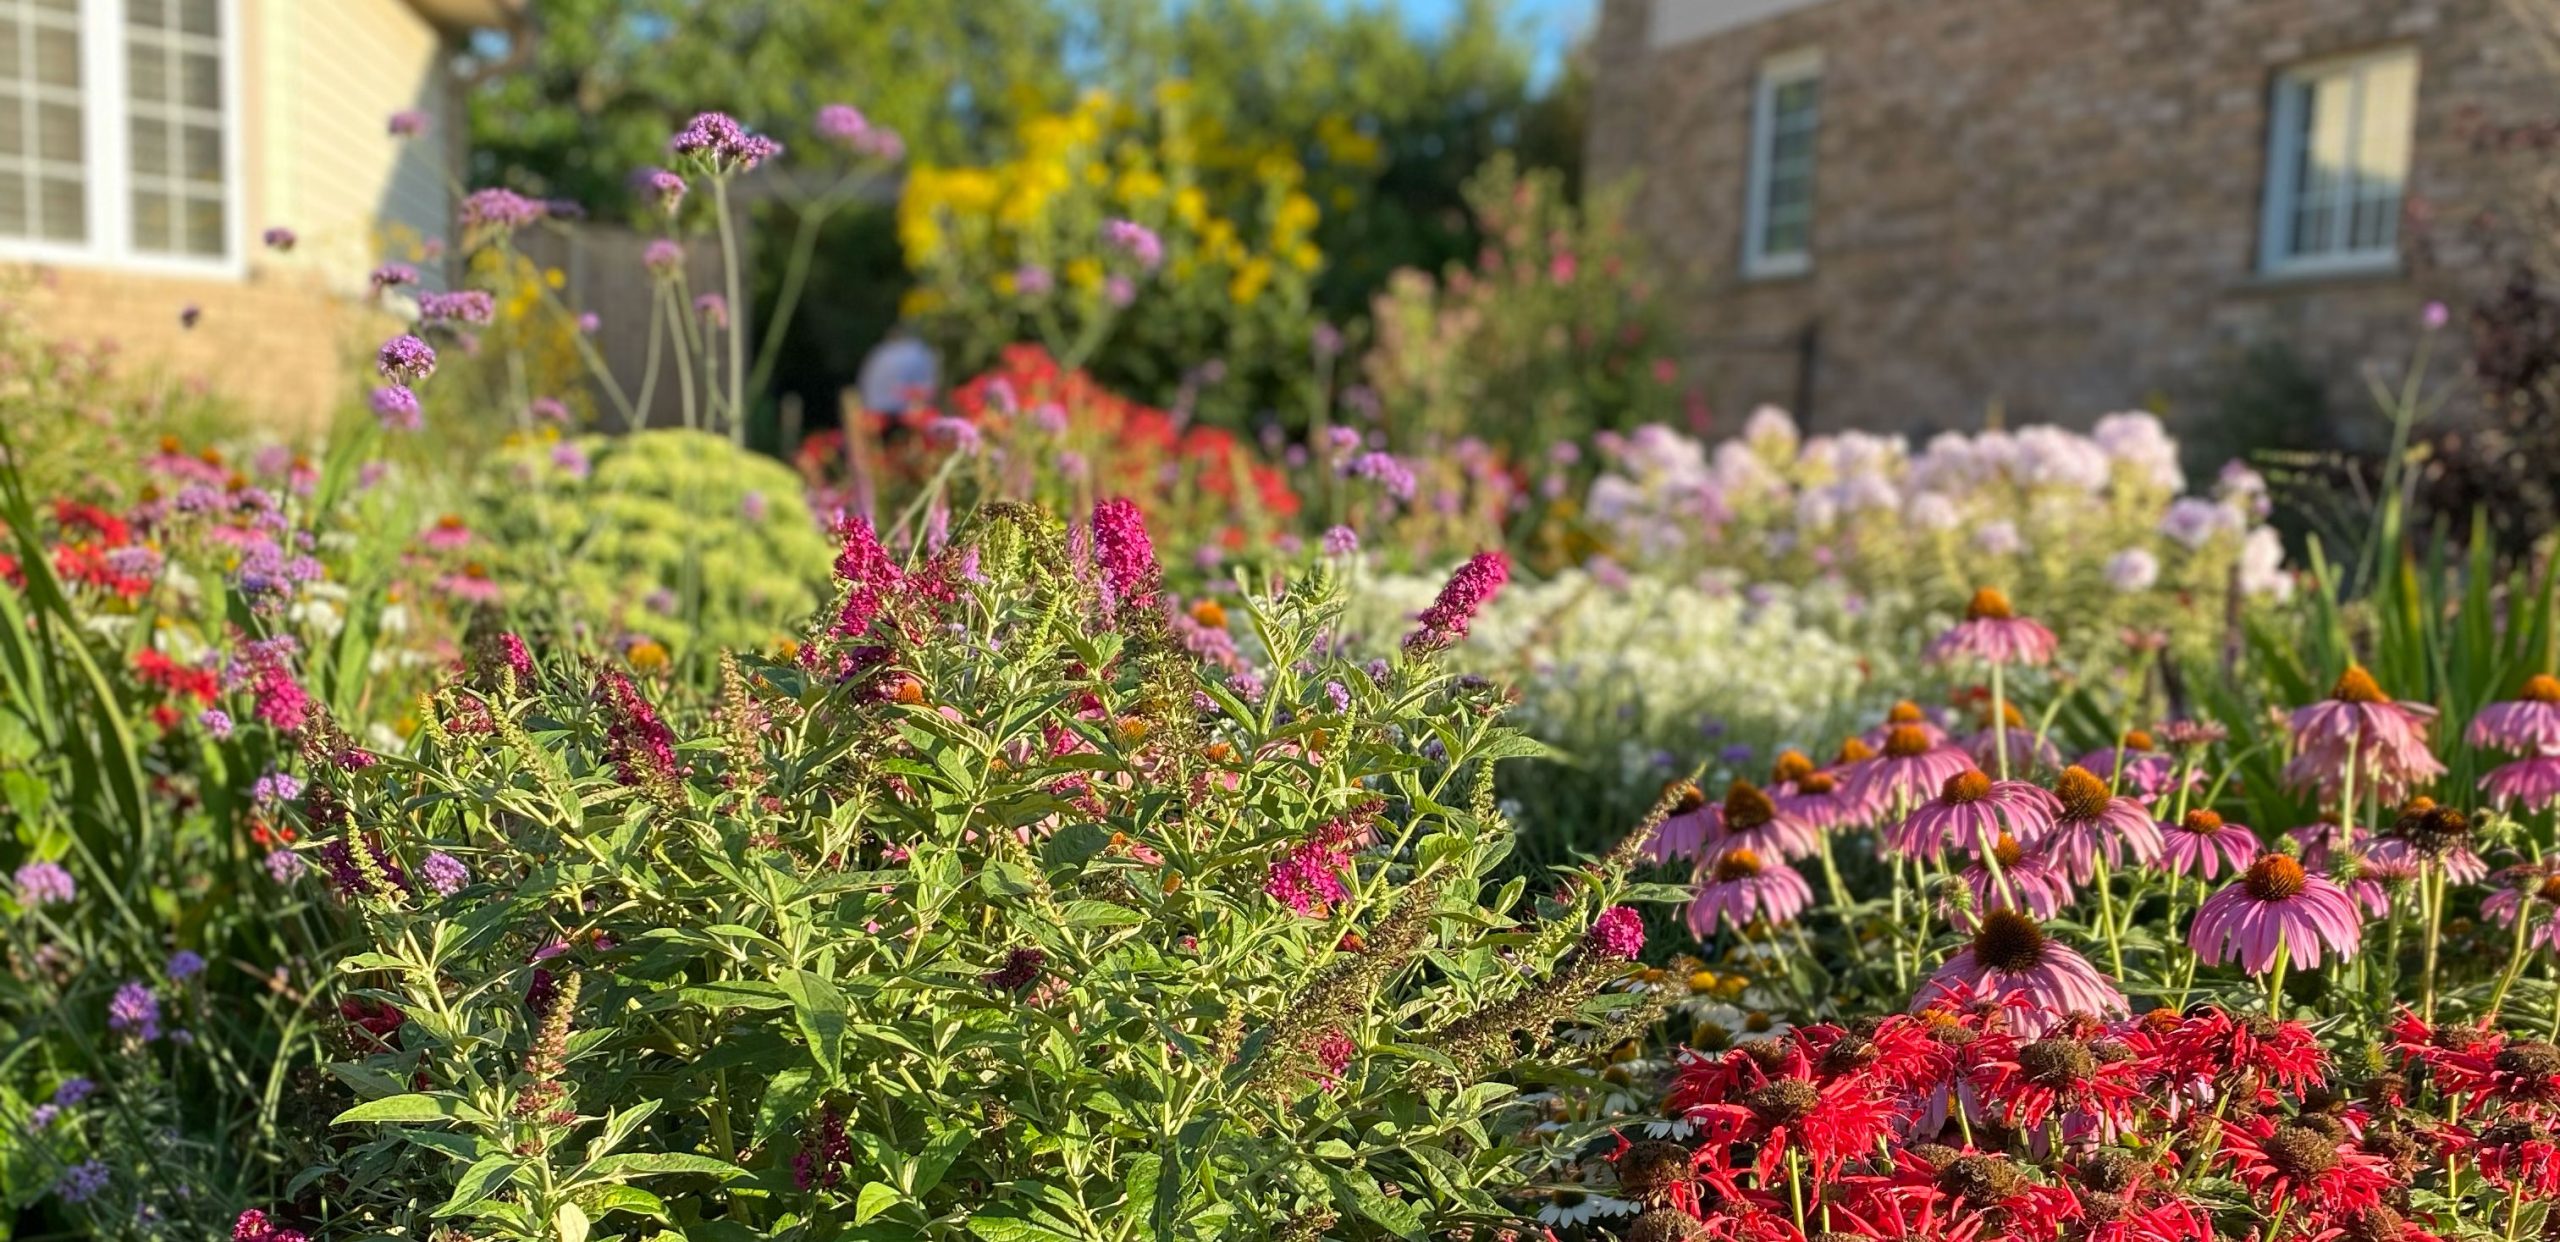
x=1971, y=808
x=2011, y=956
x=2322, y=842
x=471, y=586
x=2427, y=834
x=2027, y=881
x=2133, y=767
x=1995, y=634
x=1467, y=592
x=1739, y=887
x=2201, y=843
x=2532, y=783
x=2387, y=740
x=2026, y=748
x=2276, y=903
x=1910, y=770
x=1749, y=819
x=2528, y=723
x=449, y=534
x=1683, y=833
x=2094, y=823
x=1905, y=712
x=2530, y=891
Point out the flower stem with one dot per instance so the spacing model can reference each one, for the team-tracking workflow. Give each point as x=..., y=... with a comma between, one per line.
x=2275, y=978
x=2515, y=955
x=2431, y=886
x=1999, y=721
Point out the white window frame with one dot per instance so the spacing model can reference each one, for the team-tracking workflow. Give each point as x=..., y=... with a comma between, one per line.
x=1775, y=73
x=2285, y=132
x=107, y=153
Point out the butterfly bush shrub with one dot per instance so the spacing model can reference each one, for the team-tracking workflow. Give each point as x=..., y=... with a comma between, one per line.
x=985, y=914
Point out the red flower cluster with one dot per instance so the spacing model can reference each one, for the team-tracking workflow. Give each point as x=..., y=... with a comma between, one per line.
x=85, y=553
x=1956, y=1123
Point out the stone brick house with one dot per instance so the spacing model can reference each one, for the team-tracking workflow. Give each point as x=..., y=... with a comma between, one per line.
x=1912, y=213
x=147, y=145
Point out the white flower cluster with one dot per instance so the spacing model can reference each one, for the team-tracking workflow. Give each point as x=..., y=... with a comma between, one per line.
x=2087, y=529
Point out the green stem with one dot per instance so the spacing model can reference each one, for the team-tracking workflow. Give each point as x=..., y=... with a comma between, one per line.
x=2515, y=955
x=2275, y=978
x=737, y=312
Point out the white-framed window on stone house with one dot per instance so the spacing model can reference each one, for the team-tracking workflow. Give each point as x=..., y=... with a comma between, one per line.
x=120, y=133
x=2338, y=164
x=1777, y=217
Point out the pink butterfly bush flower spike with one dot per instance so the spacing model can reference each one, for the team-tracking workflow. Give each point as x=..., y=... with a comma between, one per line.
x=2386, y=739
x=1994, y=633
x=2529, y=725
x=2275, y=903
x=1469, y=589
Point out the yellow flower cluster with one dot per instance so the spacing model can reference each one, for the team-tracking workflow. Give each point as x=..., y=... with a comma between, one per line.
x=970, y=230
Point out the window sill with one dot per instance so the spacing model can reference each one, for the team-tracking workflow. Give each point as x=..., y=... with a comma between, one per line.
x=67, y=256
x=2336, y=272
x=1773, y=271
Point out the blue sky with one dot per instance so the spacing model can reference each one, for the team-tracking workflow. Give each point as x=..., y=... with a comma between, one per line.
x=1552, y=24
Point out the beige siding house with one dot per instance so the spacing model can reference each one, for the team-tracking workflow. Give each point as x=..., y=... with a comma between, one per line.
x=147, y=146
x=1909, y=212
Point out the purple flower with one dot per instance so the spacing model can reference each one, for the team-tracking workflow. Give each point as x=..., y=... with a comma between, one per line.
x=444, y=873
x=1390, y=474
x=499, y=209
x=957, y=434
x=2276, y=906
x=135, y=1012
x=570, y=459
x=664, y=188
x=2435, y=315
x=1135, y=240
x=73, y=1091
x=285, y=866
x=714, y=310
x=548, y=410
x=588, y=322
x=1466, y=593
x=184, y=964
x=404, y=359
x=1341, y=541
x=189, y=314
x=1618, y=934
x=390, y=275
x=718, y=140
x=1127, y=554
x=395, y=407
x=1032, y=280
x=459, y=306
x=410, y=123
x=275, y=789
x=663, y=258
x=2133, y=569
x=1339, y=695
x=279, y=238
x=1119, y=290
x=45, y=883
x=83, y=1181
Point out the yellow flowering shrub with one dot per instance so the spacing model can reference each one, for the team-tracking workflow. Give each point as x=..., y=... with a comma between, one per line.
x=1015, y=250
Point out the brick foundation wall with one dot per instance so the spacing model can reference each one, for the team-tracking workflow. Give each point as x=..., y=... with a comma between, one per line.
x=2045, y=207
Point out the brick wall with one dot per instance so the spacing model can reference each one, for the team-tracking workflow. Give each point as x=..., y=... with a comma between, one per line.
x=2047, y=207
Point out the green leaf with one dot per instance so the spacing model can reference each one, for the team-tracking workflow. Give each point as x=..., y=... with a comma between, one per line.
x=820, y=1010
x=632, y=1199
x=1089, y=913
x=480, y=1181
x=876, y=1197
x=571, y=1220
x=735, y=994
x=1075, y=844
x=787, y=1098
x=658, y=1163
x=412, y=1107
x=998, y=1227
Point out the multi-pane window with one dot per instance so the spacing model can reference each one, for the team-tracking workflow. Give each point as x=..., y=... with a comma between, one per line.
x=1778, y=214
x=173, y=110
x=43, y=144
x=2338, y=164
x=117, y=124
